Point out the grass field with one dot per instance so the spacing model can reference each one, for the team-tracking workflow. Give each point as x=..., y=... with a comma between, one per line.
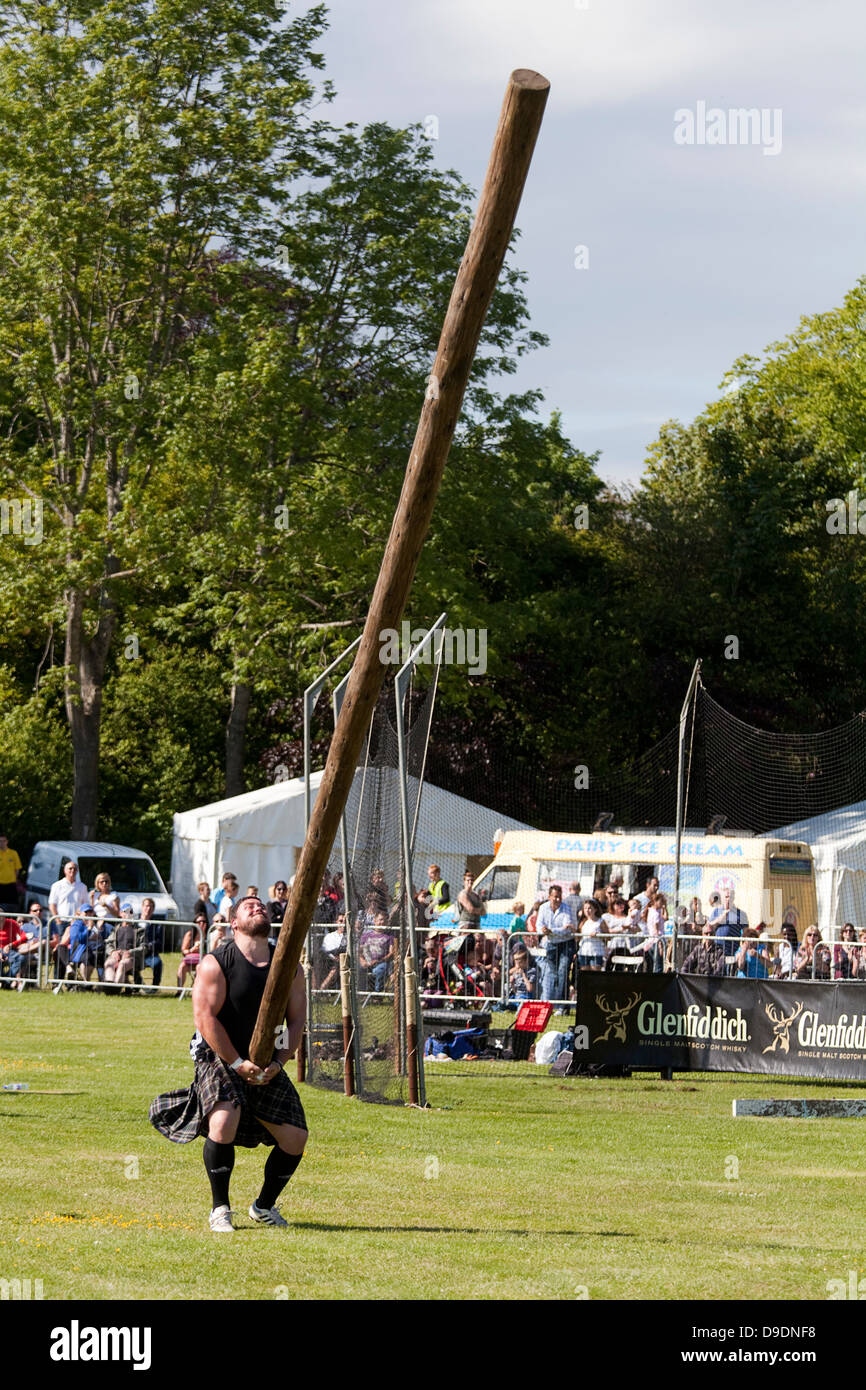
x=545, y=1187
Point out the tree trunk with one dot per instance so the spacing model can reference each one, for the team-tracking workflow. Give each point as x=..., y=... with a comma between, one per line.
x=236, y=728
x=85, y=662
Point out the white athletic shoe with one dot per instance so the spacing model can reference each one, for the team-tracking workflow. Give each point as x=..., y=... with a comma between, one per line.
x=266, y=1217
x=221, y=1219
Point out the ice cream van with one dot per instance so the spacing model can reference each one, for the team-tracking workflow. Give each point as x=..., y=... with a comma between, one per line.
x=772, y=881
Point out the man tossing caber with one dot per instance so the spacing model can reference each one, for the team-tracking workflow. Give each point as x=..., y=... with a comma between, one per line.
x=231, y=1101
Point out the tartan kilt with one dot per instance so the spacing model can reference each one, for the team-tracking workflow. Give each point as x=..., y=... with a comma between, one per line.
x=182, y=1115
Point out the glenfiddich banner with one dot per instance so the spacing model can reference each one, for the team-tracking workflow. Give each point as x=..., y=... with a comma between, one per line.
x=694, y=1023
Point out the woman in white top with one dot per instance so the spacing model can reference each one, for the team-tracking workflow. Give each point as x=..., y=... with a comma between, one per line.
x=101, y=895
x=591, y=955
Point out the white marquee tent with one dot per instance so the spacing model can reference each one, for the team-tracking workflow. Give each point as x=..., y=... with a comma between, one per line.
x=259, y=836
x=838, y=842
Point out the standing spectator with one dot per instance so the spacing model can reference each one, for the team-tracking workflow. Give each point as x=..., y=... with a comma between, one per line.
x=79, y=931
x=860, y=969
x=10, y=867
x=556, y=929
x=471, y=906
x=652, y=887
x=440, y=893
x=339, y=893
x=379, y=889
x=326, y=903
x=102, y=896
x=154, y=934
x=278, y=903
x=591, y=955
x=728, y=923
x=227, y=895
x=574, y=901
x=68, y=895
x=204, y=902
x=695, y=918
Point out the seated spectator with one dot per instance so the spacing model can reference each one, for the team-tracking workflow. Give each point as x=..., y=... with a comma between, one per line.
x=326, y=903
x=707, y=957
x=433, y=982
x=79, y=932
x=11, y=938
x=333, y=952
x=97, y=938
x=154, y=935
x=219, y=932
x=813, y=957
x=339, y=892
x=376, y=951
x=786, y=957
x=190, y=950
x=522, y=978
x=121, y=957
x=101, y=896
x=845, y=954
x=752, y=961
x=35, y=930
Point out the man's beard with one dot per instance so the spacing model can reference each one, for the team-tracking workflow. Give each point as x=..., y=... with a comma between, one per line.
x=258, y=928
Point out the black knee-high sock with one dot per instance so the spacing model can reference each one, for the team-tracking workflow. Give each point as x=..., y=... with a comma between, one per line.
x=219, y=1160
x=278, y=1169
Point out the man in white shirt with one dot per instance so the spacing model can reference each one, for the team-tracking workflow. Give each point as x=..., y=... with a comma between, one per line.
x=555, y=926
x=68, y=895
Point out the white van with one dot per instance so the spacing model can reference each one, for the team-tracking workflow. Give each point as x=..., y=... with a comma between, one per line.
x=771, y=880
x=133, y=874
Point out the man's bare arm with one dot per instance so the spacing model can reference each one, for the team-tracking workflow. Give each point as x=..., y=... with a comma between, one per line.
x=208, y=997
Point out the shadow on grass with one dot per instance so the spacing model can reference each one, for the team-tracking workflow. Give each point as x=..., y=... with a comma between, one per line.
x=456, y=1230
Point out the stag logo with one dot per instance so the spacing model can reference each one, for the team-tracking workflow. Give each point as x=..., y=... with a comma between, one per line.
x=616, y=1015
x=781, y=1027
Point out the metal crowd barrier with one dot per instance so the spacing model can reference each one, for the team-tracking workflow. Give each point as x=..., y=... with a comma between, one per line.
x=46, y=959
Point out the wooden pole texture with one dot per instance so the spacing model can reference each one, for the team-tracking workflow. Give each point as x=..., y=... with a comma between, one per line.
x=411, y=1028
x=514, y=142
x=348, y=1026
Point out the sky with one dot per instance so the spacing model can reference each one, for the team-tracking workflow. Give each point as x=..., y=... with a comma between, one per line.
x=704, y=241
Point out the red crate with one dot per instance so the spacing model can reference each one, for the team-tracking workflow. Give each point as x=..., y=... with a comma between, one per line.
x=533, y=1016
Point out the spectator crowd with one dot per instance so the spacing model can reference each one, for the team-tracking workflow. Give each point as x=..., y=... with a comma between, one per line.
x=85, y=935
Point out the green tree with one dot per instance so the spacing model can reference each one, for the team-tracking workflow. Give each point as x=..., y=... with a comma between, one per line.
x=162, y=130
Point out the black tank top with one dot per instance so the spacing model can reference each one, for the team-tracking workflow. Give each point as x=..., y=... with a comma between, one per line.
x=245, y=985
